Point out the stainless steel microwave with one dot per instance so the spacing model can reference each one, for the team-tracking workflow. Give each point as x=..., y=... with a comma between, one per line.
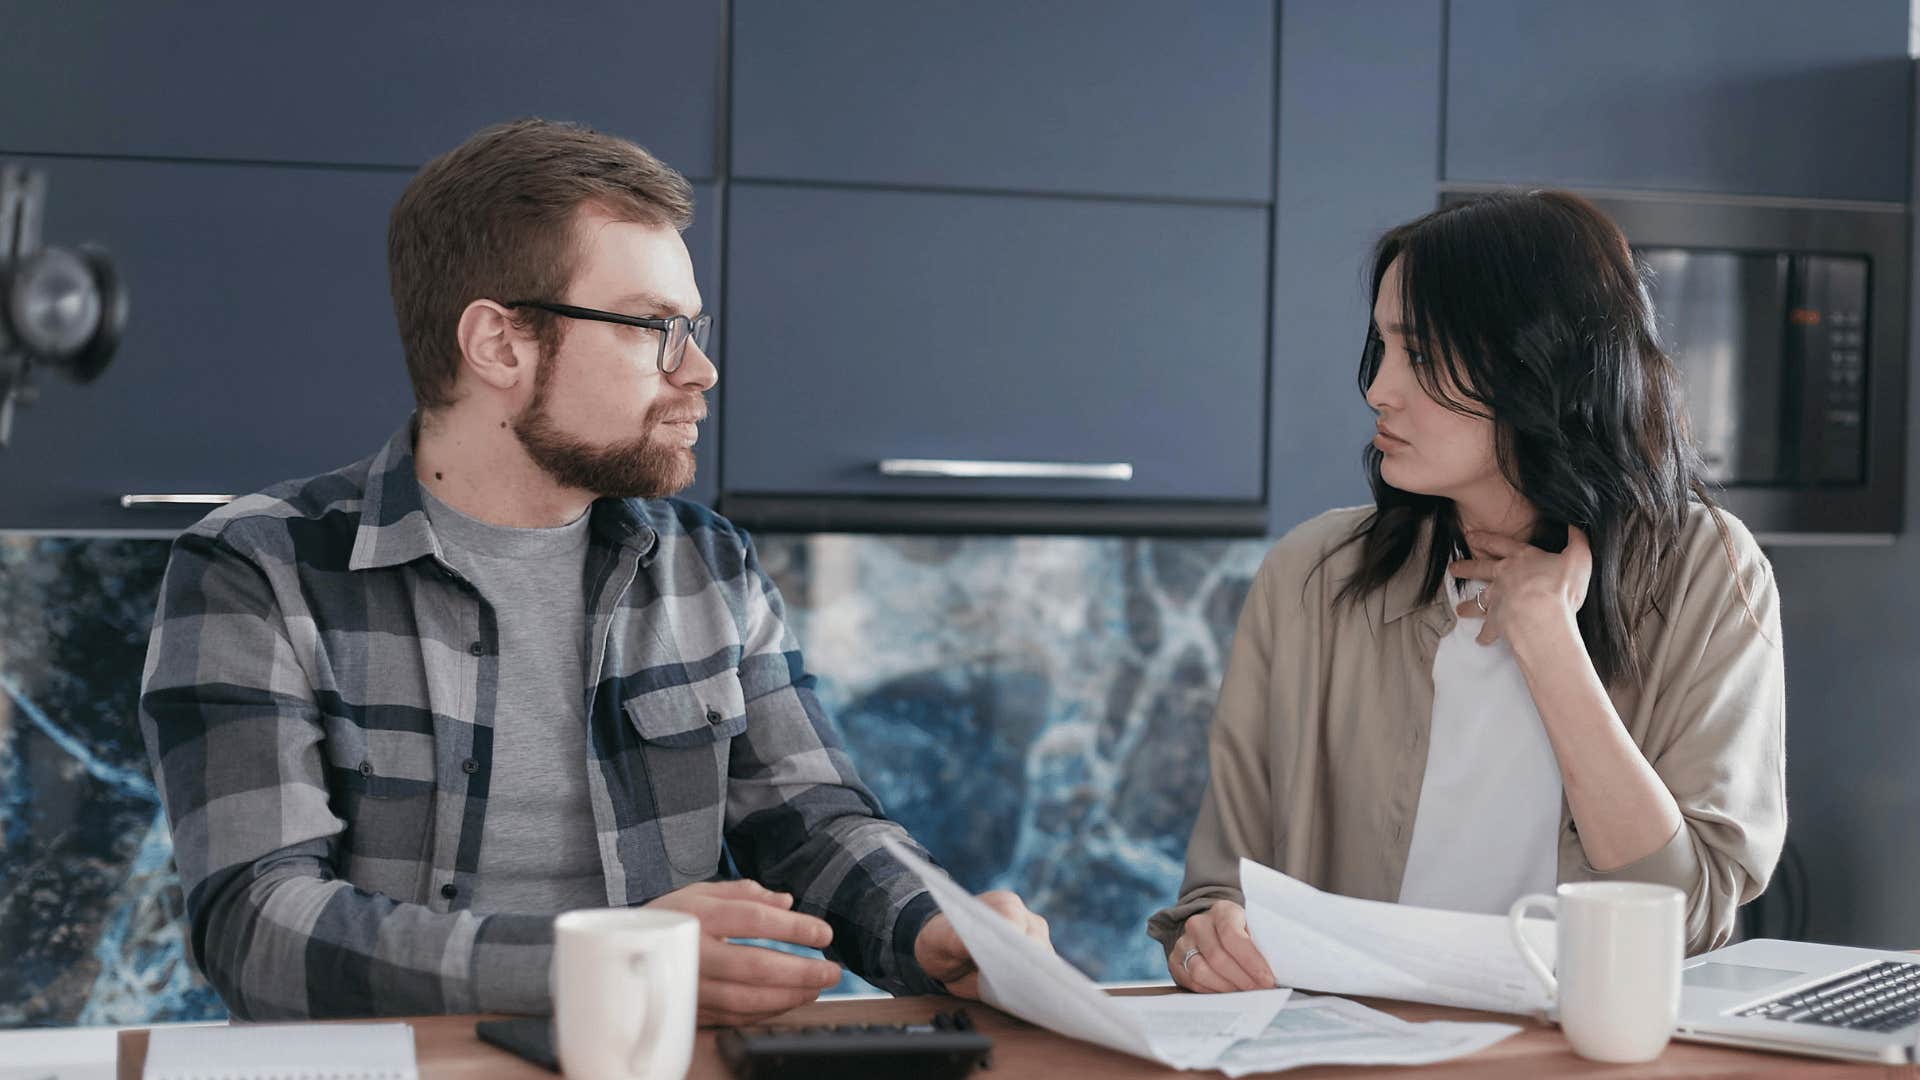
x=1788, y=321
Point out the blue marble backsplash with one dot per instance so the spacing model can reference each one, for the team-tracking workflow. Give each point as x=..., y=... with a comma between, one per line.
x=1034, y=709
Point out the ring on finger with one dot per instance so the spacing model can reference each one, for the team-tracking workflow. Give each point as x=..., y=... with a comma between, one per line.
x=1480, y=601
x=1186, y=958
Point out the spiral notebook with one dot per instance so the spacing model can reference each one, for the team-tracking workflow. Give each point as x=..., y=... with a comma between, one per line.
x=282, y=1052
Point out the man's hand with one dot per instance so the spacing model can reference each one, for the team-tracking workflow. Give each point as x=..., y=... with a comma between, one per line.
x=943, y=956
x=745, y=984
x=1214, y=954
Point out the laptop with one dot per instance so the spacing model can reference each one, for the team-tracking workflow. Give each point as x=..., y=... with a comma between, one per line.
x=1796, y=997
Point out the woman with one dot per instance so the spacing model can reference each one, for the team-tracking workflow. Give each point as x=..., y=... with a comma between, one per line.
x=1542, y=655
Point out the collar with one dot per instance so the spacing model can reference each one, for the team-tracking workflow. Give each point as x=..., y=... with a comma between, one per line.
x=393, y=522
x=624, y=522
x=1401, y=596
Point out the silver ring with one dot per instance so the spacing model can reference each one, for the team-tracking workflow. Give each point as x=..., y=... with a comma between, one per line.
x=1480, y=601
x=1187, y=958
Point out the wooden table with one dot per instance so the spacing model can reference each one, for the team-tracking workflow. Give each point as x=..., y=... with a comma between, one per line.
x=448, y=1050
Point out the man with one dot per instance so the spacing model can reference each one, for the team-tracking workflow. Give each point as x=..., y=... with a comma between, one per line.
x=404, y=713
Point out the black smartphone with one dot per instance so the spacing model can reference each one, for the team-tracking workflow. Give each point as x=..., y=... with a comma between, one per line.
x=530, y=1037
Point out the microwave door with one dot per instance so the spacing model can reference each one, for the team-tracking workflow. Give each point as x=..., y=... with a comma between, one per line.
x=1765, y=396
x=1720, y=315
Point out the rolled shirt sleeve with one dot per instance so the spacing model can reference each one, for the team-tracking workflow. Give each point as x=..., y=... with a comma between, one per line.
x=1236, y=818
x=1717, y=739
x=800, y=819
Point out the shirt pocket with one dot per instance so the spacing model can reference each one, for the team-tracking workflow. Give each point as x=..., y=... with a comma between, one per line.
x=686, y=737
x=381, y=783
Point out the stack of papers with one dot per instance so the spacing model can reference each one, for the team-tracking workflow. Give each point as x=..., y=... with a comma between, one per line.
x=1253, y=1031
x=1320, y=941
x=1335, y=1031
x=1021, y=976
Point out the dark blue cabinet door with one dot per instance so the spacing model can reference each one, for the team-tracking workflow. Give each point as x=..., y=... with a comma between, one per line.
x=870, y=325
x=1123, y=97
x=1766, y=97
x=261, y=343
x=355, y=82
x=1359, y=146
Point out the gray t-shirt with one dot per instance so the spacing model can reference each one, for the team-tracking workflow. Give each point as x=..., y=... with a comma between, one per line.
x=539, y=853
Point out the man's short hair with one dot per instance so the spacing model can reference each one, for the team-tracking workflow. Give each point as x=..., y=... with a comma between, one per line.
x=493, y=218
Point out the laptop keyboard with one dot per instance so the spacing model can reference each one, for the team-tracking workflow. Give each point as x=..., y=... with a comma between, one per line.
x=1884, y=997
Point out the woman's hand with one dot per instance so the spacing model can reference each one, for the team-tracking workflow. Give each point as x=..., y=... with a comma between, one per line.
x=1528, y=588
x=1214, y=954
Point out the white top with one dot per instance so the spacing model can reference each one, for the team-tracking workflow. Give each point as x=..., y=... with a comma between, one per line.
x=1487, y=830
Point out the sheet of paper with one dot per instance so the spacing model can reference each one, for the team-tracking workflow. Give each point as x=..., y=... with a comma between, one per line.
x=368, y=1051
x=1319, y=941
x=1021, y=976
x=1191, y=1031
x=1335, y=1031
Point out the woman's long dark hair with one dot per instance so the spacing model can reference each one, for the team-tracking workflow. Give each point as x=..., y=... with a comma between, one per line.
x=1531, y=309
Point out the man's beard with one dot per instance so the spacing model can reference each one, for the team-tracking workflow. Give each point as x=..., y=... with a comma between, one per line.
x=637, y=468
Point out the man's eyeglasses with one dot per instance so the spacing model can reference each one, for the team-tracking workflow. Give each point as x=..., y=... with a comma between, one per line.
x=675, y=330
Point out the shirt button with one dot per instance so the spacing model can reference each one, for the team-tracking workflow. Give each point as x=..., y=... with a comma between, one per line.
x=366, y=768
x=469, y=766
x=477, y=649
x=713, y=716
x=449, y=890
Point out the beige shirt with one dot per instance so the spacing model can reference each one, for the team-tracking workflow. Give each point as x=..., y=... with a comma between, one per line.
x=1319, y=741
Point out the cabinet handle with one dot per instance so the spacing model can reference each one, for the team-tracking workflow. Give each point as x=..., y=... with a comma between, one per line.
x=128, y=502
x=1005, y=470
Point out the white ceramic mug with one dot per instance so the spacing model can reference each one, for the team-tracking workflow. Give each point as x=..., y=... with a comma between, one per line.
x=625, y=986
x=1619, y=950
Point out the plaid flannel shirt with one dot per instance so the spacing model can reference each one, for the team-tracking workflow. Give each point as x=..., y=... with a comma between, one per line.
x=318, y=705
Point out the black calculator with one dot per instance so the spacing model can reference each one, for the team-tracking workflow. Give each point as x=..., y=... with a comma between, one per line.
x=945, y=1048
